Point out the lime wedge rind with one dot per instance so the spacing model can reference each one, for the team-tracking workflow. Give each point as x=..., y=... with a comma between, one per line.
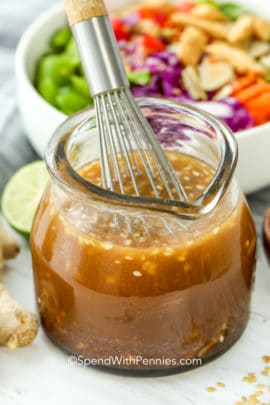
x=22, y=195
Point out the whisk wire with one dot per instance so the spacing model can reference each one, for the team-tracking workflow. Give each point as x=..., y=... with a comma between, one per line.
x=105, y=166
x=129, y=172
x=140, y=145
x=154, y=145
x=156, y=166
x=126, y=134
x=126, y=139
x=110, y=138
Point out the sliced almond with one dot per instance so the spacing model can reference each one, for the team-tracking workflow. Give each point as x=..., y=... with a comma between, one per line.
x=258, y=49
x=224, y=92
x=146, y=25
x=216, y=29
x=192, y=83
x=236, y=57
x=261, y=28
x=191, y=46
x=242, y=29
x=265, y=60
x=215, y=75
x=208, y=12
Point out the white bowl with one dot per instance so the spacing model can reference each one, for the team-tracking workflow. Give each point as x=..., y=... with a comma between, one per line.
x=40, y=119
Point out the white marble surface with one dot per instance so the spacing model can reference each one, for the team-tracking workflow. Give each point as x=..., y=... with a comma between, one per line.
x=41, y=374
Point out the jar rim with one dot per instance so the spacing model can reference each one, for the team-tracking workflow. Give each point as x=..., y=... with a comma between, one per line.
x=67, y=177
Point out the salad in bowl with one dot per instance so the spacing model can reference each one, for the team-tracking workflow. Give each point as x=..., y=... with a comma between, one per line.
x=230, y=81
x=214, y=56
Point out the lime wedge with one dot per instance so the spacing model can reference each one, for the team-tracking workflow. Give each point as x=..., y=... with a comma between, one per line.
x=22, y=195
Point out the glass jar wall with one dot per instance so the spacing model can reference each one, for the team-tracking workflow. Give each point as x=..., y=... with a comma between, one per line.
x=134, y=287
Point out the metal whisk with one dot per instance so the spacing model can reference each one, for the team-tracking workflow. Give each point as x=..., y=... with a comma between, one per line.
x=128, y=145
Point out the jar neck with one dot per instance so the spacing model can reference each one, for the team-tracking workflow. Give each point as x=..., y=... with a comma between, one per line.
x=68, y=143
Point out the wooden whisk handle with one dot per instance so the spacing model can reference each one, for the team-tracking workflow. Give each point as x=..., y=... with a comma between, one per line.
x=82, y=10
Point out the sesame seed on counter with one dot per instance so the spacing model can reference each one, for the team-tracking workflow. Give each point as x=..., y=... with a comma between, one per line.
x=260, y=394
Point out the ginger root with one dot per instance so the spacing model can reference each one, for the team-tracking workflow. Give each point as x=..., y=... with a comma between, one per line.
x=10, y=247
x=18, y=327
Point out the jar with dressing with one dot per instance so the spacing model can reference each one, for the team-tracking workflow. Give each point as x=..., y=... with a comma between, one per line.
x=131, y=284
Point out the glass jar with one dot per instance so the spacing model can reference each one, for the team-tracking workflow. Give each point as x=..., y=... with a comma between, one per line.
x=132, y=284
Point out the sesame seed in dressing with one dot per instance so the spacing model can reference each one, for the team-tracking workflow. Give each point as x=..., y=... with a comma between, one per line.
x=195, y=173
x=168, y=251
x=129, y=286
x=187, y=168
x=108, y=245
x=181, y=258
x=137, y=273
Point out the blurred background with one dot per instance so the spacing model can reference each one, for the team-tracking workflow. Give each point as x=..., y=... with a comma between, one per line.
x=15, y=149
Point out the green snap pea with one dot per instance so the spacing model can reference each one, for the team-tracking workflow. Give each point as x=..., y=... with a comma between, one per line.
x=80, y=85
x=140, y=77
x=48, y=89
x=58, y=67
x=60, y=39
x=231, y=10
x=72, y=53
x=80, y=70
x=70, y=101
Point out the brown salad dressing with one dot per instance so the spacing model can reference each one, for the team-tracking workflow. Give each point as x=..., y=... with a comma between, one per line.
x=105, y=292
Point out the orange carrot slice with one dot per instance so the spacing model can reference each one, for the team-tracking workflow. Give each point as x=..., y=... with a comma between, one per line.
x=243, y=82
x=254, y=91
x=259, y=118
x=262, y=102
